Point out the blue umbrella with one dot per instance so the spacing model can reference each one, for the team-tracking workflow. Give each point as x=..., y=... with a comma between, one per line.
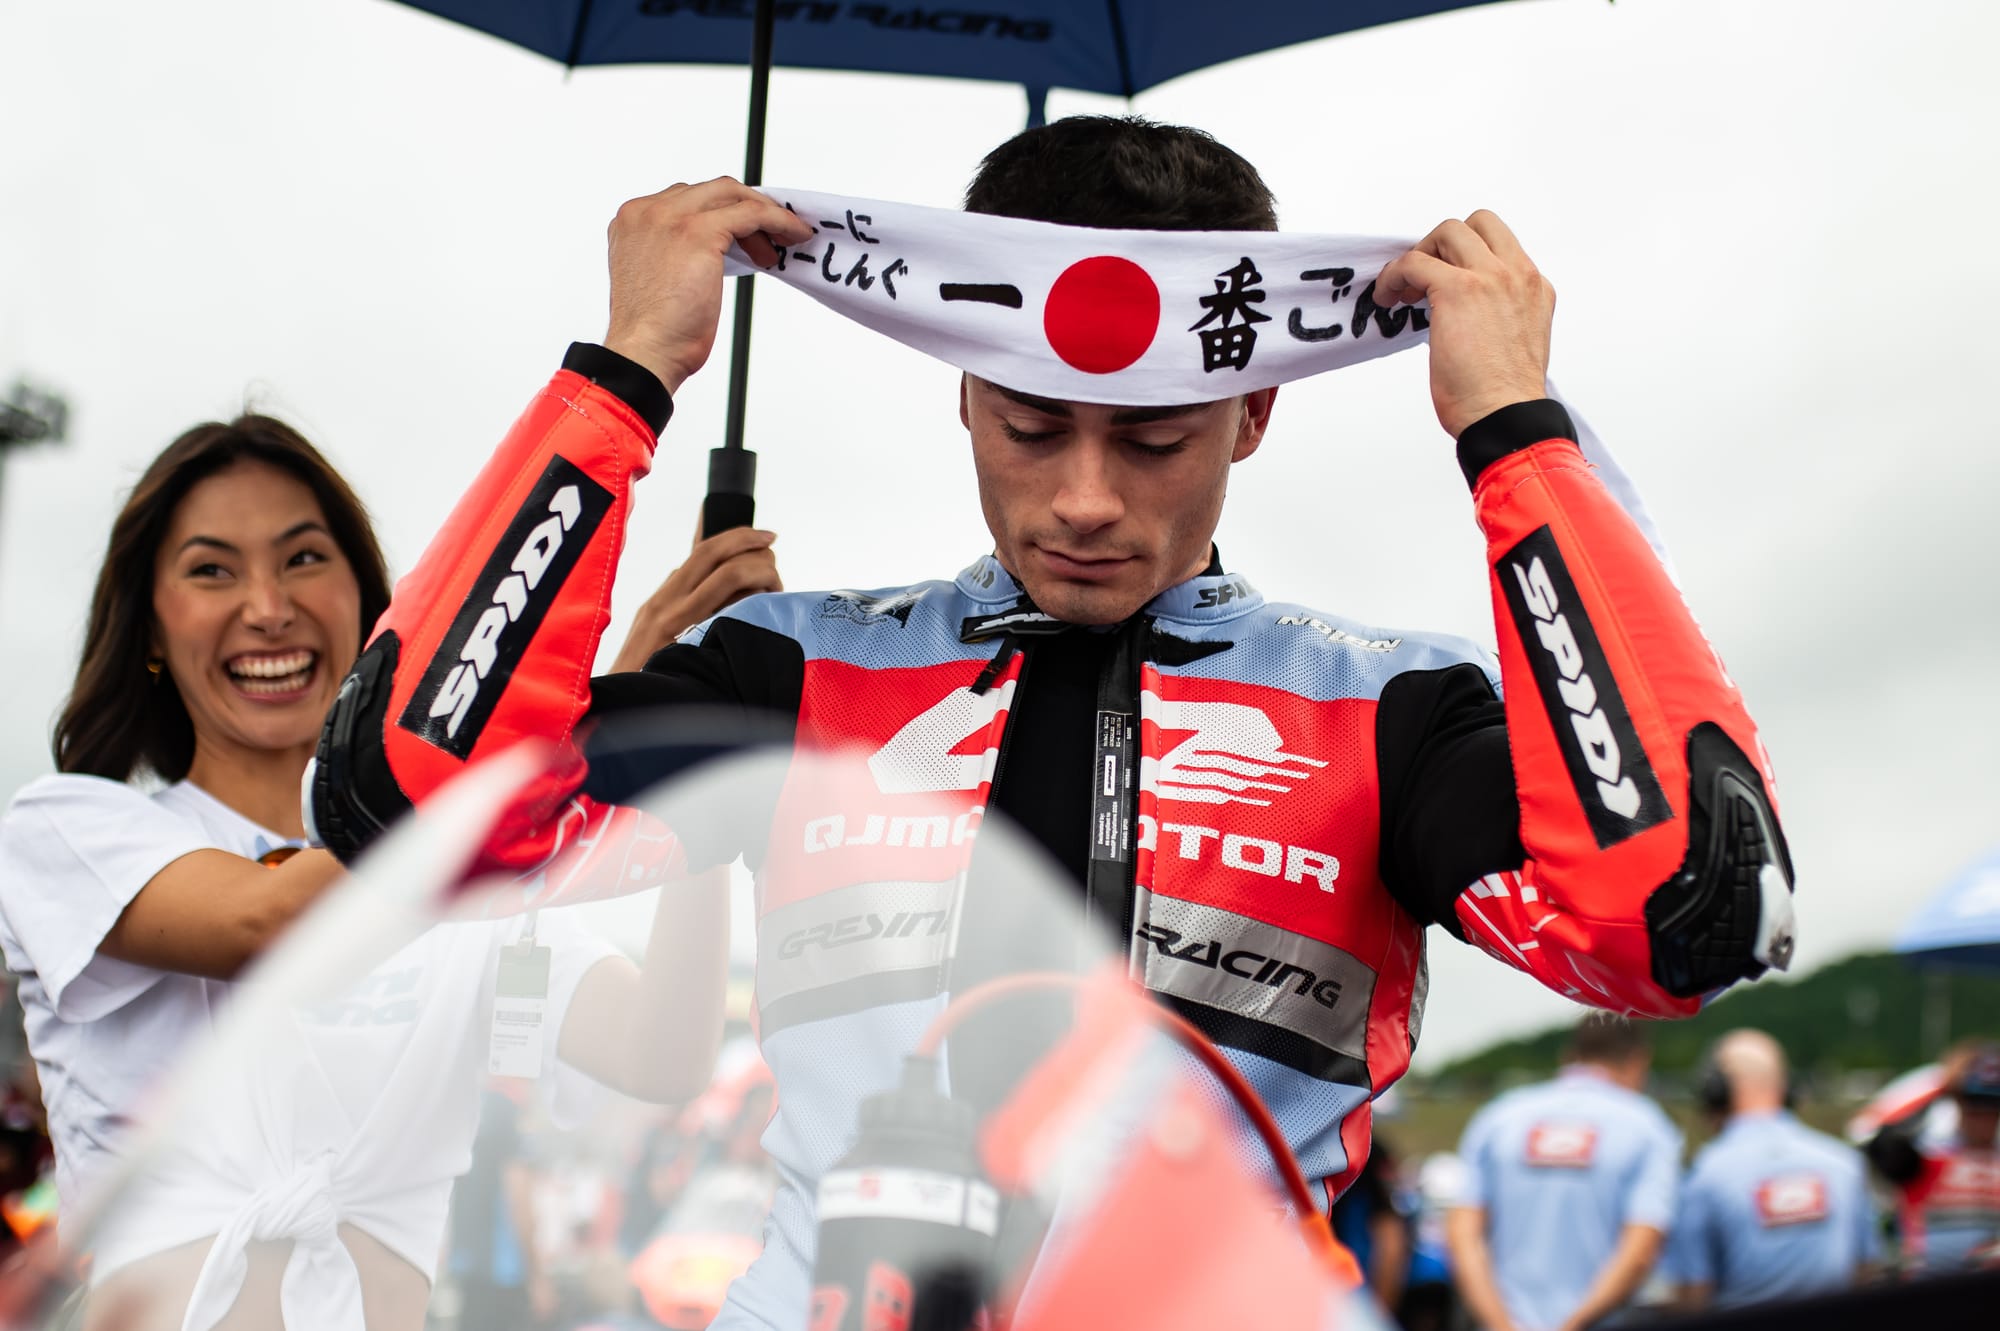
x=1960, y=926
x=1120, y=47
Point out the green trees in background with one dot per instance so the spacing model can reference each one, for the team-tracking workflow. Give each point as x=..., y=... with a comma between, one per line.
x=1870, y=1013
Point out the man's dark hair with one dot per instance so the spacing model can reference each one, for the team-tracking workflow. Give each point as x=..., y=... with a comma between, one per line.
x=1122, y=172
x=1603, y=1037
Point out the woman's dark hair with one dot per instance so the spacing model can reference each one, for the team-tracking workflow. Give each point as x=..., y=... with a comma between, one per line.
x=120, y=717
x=1122, y=172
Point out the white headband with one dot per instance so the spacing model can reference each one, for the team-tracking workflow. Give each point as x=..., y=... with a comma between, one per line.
x=1124, y=318
x=1129, y=318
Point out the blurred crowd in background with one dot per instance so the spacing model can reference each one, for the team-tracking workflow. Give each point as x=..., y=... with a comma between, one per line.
x=1607, y=1185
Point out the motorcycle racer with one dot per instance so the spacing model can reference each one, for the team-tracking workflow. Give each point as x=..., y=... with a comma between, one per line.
x=1269, y=803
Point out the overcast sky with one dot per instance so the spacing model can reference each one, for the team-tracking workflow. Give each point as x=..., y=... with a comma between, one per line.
x=1768, y=222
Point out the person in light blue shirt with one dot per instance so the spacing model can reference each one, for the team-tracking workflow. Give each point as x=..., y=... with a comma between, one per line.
x=1569, y=1189
x=1771, y=1209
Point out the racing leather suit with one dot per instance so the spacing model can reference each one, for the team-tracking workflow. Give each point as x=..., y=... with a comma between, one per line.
x=1947, y=1197
x=1297, y=795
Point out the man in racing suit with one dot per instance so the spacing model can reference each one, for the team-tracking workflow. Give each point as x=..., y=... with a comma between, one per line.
x=1948, y=1194
x=1294, y=796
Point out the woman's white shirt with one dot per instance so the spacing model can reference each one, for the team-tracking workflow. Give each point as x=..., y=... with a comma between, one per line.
x=365, y=1118
x=74, y=851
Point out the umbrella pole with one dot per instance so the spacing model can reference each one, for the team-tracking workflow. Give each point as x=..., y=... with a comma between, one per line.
x=732, y=469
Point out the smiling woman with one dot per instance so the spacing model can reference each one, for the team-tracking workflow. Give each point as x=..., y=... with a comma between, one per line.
x=238, y=582
x=235, y=587
x=255, y=608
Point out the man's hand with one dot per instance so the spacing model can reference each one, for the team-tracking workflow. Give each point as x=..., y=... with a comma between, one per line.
x=1620, y=1276
x=721, y=570
x=1472, y=1267
x=666, y=269
x=1490, y=316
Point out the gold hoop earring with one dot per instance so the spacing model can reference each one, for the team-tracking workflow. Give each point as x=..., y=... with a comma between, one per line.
x=153, y=666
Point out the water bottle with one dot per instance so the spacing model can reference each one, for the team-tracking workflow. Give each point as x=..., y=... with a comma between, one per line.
x=907, y=1219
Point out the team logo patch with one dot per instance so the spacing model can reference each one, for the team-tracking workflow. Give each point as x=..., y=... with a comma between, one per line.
x=1245, y=964
x=891, y=1299
x=1251, y=854
x=1967, y=1182
x=1225, y=753
x=1614, y=780
x=944, y=747
x=1791, y=1199
x=1222, y=593
x=465, y=678
x=829, y=1305
x=1022, y=619
x=1561, y=1145
x=1338, y=635
x=859, y=609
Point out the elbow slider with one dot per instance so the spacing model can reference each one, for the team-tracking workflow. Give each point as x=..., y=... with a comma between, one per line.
x=1726, y=913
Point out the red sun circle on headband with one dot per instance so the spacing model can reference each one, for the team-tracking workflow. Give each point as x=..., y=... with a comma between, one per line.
x=1101, y=314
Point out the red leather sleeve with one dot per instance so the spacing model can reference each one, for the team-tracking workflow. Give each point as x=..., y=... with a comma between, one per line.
x=1646, y=813
x=491, y=637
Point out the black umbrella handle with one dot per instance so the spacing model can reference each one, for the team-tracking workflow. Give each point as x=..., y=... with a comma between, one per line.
x=732, y=482
x=732, y=469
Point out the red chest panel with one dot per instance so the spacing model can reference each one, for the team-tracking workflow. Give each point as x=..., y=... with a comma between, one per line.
x=1259, y=898
x=1263, y=803
x=895, y=781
